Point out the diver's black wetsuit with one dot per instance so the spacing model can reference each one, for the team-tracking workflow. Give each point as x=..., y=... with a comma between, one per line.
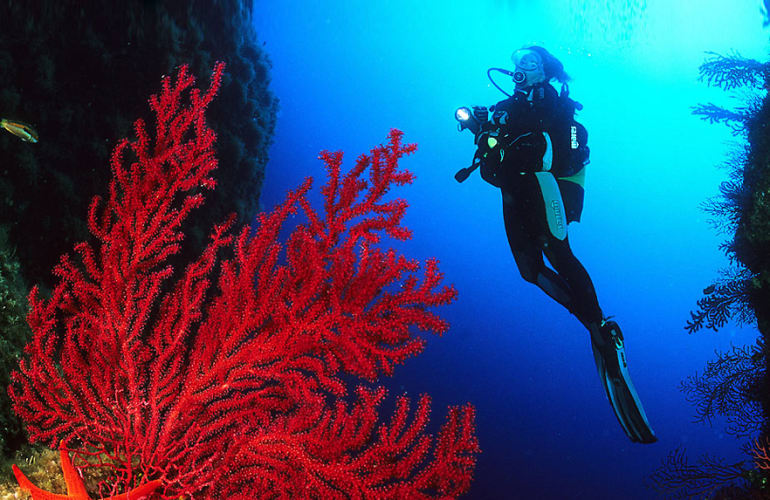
x=525, y=116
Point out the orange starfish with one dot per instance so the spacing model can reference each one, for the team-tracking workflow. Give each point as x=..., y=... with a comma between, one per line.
x=76, y=490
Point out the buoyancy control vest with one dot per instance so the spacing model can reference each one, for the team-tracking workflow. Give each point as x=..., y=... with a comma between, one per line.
x=533, y=132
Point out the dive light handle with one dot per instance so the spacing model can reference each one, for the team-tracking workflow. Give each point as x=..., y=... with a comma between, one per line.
x=464, y=173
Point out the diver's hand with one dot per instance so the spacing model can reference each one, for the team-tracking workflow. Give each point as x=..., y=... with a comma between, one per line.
x=481, y=113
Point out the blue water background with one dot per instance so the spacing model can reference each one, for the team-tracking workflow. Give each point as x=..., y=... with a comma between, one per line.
x=347, y=71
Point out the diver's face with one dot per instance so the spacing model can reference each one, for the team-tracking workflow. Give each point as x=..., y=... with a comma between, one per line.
x=529, y=68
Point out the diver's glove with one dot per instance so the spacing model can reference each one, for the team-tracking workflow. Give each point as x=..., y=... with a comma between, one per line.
x=481, y=114
x=610, y=357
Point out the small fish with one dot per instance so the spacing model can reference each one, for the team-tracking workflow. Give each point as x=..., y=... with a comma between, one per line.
x=709, y=289
x=19, y=129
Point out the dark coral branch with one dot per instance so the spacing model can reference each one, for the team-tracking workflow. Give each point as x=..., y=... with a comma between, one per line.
x=728, y=298
x=712, y=113
x=733, y=71
x=677, y=478
x=725, y=209
x=730, y=386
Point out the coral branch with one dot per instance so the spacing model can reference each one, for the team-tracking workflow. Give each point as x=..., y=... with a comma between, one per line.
x=730, y=386
x=733, y=71
x=76, y=489
x=225, y=378
x=677, y=478
x=726, y=299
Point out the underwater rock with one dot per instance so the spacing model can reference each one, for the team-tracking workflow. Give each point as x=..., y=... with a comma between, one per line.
x=55, y=60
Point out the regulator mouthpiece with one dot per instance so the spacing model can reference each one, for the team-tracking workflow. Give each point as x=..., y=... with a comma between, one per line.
x=519, y=77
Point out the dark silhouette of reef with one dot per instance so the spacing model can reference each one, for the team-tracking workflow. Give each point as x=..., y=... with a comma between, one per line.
x=57, y=60
x=14, y=332
x=734, y=386
x=741, y=291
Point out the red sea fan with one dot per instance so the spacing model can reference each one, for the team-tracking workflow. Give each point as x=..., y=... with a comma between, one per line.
x=225, y=379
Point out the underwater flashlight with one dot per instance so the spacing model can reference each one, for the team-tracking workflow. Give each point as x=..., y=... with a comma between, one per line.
x=466, y=119
x=462, y=114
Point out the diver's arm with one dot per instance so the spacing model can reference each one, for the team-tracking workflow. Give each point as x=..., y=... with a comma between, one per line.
x=555, y=121
x=545, y=102
x=494, y=140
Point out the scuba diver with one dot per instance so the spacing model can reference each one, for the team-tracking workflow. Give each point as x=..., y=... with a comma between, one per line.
x=530, y=146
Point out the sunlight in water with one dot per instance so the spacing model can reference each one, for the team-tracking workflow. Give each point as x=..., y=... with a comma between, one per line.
x=599, y=23
x=608, y=21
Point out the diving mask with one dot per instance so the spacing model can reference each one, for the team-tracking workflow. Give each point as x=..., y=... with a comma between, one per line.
x=529, y=68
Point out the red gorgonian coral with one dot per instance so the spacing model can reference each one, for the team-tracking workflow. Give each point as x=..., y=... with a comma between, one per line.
x=224, y=379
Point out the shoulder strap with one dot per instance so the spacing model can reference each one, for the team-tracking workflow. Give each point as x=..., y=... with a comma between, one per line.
x=571, y=104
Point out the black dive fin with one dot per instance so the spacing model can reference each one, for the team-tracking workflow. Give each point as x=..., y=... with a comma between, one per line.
x=610, y=357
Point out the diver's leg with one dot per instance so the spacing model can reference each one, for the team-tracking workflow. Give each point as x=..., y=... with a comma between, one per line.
x=554, y=286
x=606, y=341
x=583, y=300
x=527, y=250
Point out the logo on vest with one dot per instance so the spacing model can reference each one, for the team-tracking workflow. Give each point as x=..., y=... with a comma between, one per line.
x=557, y=215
